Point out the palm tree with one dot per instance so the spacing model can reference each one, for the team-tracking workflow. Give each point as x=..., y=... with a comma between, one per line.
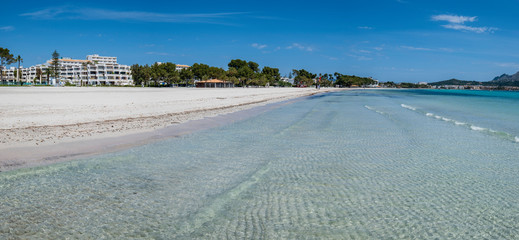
x=47, y=72
x=19, y=60
x=6, y=58
x=84, y=66
x=39, y=73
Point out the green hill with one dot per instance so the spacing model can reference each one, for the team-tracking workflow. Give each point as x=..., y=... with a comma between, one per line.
x=455, y=82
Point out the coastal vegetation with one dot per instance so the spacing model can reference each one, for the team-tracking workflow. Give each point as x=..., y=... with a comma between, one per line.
x=54, y=69
x=240, y=72
x=352, y=80
x=6, y=58
x=454, y=81
x=411, y=85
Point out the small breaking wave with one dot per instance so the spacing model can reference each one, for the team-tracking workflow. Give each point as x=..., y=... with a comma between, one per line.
x=373, y=109
x=476, y=128
x=459, y=123
x=408, y=107
x=472, y=127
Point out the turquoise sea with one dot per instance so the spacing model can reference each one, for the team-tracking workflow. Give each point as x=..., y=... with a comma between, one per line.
x=362, y=164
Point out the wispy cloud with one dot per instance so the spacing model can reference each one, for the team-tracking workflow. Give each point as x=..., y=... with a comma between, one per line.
x=507, y=64
x=453, y=18
x=258, y=46
x=456, y=22
x=360, y=58
x=468, y=28
x=67, y=12
x=7, y=28
x=429, y=49
x=300, y=47
x=158, y=53
x=416, y=48
x=364, y=27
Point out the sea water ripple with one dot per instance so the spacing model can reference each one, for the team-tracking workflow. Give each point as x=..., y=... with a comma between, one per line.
x=347, y=165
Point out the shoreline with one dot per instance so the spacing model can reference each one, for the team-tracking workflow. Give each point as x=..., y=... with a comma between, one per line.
x=24, y=148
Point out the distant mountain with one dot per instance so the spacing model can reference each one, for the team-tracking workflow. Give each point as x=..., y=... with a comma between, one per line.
x=455, y=82
x=505, y=80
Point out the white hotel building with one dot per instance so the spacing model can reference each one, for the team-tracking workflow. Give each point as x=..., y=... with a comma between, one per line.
x=95, y=70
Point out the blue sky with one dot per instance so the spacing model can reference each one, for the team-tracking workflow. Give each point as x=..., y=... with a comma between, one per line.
x=390, y=40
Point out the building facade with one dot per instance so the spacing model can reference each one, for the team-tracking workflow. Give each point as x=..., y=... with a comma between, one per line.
x=95, y=70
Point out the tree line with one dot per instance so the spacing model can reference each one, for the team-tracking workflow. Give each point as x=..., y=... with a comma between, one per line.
x=239, y=72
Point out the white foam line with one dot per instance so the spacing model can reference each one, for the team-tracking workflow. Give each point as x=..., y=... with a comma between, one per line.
x=408, y=107
x=472, y=127
x=373, y=109
x=476, y=128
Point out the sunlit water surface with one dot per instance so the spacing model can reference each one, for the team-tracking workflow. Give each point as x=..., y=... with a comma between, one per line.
x=356, y=164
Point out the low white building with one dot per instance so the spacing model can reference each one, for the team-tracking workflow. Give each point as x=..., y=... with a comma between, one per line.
x=178, y=67
x=375, y=84
x=288, y=80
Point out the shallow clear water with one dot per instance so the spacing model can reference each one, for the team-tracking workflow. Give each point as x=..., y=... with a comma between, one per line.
x=356, y=164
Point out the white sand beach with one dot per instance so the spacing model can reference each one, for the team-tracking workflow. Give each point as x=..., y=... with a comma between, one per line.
x=35, y=118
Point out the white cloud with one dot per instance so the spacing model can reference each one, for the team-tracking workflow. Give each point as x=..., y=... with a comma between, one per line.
x=158, y=53
x=259, y=46
x=456, y=22
x=468, y=28
x=430, y=49
x=365, y=27
x=416, y=48
x=360, y=58
x=508, y=65
x=453, y=18
x=7, y=28
x=300, y=47
x=68, y=12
